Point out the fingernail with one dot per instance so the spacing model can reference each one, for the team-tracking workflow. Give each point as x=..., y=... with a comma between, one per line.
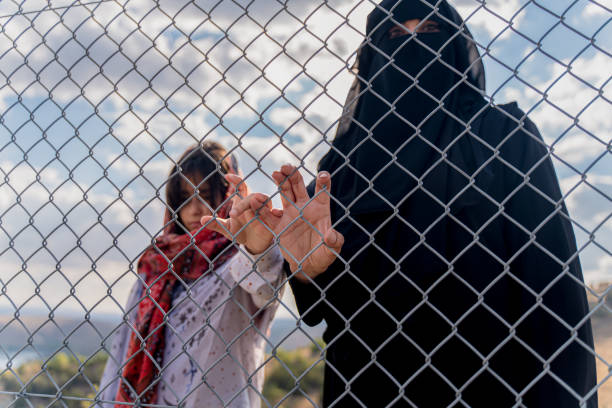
x=323, y=174
x=332, y=239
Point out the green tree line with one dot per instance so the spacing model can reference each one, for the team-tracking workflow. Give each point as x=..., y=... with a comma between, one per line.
x=294, y=379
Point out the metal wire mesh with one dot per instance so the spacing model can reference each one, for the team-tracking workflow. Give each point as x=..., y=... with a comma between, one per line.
x=98, y=99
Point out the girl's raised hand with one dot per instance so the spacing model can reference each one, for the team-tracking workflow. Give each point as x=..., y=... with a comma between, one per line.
x=242, y=224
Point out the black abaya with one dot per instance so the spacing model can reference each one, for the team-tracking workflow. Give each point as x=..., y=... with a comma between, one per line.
x=459, y=282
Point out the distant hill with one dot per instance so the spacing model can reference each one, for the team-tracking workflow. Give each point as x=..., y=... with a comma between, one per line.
x=31, y=385
x=37, y=336
x=600, y=301
x=34, y=338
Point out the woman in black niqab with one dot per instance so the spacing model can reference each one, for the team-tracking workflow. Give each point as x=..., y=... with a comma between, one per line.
x=408, y=101
x=459, y=283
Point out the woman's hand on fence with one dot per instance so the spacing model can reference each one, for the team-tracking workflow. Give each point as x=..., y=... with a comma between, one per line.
x=242, y=225
x=304, y=226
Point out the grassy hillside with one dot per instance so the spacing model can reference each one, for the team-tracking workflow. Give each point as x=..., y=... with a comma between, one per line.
x=77, y=378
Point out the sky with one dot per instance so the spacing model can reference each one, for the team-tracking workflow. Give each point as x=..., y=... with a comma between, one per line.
x=97, y=98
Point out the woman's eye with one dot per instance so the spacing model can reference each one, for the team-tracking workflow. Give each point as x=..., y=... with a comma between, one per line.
x=426, y=27
x=429, y=28
x=398, y=31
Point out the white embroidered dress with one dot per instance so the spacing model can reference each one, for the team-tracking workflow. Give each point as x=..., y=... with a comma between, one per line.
x=215, y=337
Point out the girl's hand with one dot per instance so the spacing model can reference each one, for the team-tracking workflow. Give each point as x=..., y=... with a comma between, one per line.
x=242, y=224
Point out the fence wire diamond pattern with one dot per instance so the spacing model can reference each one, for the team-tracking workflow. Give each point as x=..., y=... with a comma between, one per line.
x=99, y=98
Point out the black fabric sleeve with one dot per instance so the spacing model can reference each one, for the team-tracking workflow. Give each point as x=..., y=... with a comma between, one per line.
x=308, y=297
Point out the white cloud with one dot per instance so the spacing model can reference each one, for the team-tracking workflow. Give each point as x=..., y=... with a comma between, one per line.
x=601, y=272
x=576, y=146
x=79, y=207
x=594, y=8
x=7, y=7
x=131, y=67
x=493, y=16
x=588, y=204
x=582, y=199
x=571, y=93
x=54, y=285
x=91, y=287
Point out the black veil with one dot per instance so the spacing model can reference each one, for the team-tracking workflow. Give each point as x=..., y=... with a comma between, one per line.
x=372, y=150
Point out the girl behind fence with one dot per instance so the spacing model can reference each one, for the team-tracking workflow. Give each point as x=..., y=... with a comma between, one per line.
x=196, y=319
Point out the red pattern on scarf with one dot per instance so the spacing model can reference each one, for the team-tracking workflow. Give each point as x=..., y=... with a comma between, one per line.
x=141, y=372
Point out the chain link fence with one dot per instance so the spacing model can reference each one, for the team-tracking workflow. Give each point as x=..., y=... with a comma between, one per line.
x=99, y=98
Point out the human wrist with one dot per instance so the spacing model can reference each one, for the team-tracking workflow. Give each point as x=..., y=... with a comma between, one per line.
x=302, y=277
x=302, y=274
x=256, y=247
x=254, y=252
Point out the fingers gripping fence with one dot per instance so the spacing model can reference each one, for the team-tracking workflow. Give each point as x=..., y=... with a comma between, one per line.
x=457, y=257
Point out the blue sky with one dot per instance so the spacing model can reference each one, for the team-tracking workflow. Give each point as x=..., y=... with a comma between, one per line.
x=269, y=85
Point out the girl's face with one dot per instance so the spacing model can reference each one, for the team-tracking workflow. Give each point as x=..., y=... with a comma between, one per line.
x=196, y=206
